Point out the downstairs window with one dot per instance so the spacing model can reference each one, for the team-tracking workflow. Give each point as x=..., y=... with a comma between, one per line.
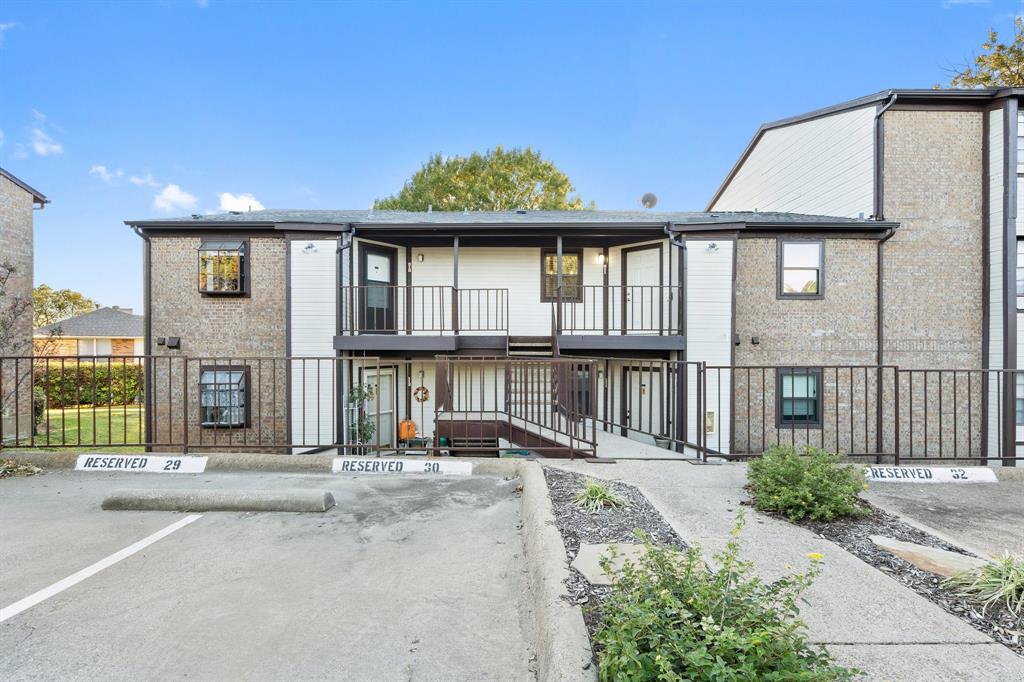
x=223, y=397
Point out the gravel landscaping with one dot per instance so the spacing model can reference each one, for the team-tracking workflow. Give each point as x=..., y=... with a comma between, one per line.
x=607, y=525
x=853, y=535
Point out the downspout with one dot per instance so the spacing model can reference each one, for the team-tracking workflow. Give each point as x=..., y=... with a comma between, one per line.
x=681, y=387
x=880, y=300
x=892, y=100
x=344, y=386
x=147, y=324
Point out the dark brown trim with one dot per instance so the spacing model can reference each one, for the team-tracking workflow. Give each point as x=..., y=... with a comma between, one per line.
x=547, y=251
x=819, y=398
x=246, y=395
x=986, y=274
x=605, y=266
x=245, y=269
x=408, y=284
x=392, y=255
x=615, y=342
x=1009, y=279
x=624, y=277
x=780, y=244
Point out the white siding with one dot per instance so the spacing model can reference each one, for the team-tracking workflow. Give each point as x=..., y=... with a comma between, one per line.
x=995, y=251
x=823, y=166
x=312, y=320
x=709, y=276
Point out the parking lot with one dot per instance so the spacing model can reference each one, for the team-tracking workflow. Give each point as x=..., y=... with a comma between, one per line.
x=408, y=578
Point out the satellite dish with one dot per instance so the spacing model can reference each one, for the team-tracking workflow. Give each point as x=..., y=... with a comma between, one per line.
x=649, y=200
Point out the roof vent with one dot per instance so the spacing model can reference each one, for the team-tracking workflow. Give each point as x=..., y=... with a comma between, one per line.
x=235, y=212
x=521, y=211
x=196, y=216
x=430, y=208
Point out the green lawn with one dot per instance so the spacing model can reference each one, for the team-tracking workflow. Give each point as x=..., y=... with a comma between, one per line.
x=90, y=427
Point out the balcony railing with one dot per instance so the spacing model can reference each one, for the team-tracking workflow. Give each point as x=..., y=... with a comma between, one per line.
x=380, y=309
x=649, y=309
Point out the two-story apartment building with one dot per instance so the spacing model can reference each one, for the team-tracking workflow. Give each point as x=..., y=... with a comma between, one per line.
x=18, y=200
x=373, y=299
x=852, y=284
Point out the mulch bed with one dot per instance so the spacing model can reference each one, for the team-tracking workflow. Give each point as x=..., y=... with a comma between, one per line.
x=607, y=525
x=998, y=622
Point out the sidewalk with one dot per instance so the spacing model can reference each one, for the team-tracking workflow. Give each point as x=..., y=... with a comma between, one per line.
x=867, y=619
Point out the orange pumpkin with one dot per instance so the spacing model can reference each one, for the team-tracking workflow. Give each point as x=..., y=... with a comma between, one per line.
x=406, y=429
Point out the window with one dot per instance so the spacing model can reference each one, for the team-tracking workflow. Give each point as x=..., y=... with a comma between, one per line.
x=801, y=266
x=223, y=267
x=223, y=396
x=572, y=276
x=1020, y=274
x=1019, y=400
x=799, y=397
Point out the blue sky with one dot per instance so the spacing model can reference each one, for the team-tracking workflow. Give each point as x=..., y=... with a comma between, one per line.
x=136, y=110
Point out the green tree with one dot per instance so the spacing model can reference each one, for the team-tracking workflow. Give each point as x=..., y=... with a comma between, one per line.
x=49, y=305
x=1001, y=65
x=498, y=180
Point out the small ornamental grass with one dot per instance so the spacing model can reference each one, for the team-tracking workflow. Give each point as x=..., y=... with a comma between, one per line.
x=812, y=486
x=670, y=618
x=595, y=496
x=1001, y=580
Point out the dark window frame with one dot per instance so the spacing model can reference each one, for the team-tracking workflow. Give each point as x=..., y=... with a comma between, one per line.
x=1020, y=271
x=246, y=396
x=544, y=253
x=780, y=268
x=817, y=372
x=245, y=255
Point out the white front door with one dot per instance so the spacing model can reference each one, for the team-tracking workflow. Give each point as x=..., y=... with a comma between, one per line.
x=643, y=408
x=380, y=410
x=641, y=311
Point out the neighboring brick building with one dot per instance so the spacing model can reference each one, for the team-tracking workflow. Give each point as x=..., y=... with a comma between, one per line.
x=17, y=202
x=943, y=164
x=104, y=332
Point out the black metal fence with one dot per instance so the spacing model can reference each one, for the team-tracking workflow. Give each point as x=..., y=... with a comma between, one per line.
x=489, y=405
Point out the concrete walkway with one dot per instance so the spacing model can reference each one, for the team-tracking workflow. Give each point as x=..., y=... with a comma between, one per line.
x=867, y=619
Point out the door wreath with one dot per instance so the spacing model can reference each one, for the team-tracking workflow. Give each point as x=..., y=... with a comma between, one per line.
x=421, y=394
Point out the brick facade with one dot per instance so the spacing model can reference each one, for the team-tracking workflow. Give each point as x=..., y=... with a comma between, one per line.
x=214, y=330
x=932, y=175
x=831, y=332
x=16, y=249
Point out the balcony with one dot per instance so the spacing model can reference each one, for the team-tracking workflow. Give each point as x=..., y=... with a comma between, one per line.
x=377, y=317
x=635, y=316
x=439, y=318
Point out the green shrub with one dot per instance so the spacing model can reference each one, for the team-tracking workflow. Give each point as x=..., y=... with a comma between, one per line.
x=90, y=383
x=669, y=618
x=38, y=405
x=999, y=581
x=595, y=496
x=812, y=486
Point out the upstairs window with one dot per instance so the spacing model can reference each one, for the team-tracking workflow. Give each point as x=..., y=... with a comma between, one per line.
x=572, y=276
x=798, y=398
x=1020, y=274
x=223, y=267
x=223, y=397
x=801, y=268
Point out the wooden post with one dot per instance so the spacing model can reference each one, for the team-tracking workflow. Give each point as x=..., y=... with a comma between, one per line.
x=455, y=284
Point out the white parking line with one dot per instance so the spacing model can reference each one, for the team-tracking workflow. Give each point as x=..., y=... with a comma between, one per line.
x=61, y=585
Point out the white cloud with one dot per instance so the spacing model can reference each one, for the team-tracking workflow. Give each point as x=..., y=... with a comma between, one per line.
x=106, y=175
x=173, y=198
x=240, y=202
x=143, y=180
x=4, y=28
x=40, y=140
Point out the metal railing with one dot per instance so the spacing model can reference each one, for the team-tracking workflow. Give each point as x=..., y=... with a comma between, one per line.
x=650, y=309
x=465, y=404
x=384, y=309
x=296, y=404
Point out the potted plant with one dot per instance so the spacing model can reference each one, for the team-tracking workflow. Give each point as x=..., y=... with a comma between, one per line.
x=361, y=428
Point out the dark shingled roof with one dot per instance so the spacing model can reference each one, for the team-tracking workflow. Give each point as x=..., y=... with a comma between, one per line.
x=111, y=322
x=283, y=218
